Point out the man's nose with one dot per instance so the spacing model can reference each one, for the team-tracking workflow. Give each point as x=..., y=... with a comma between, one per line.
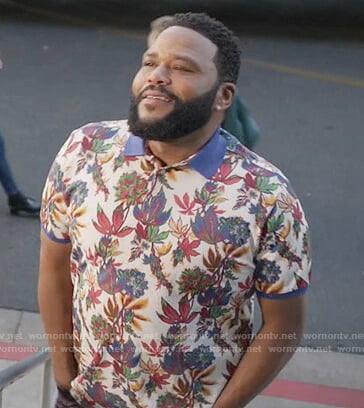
x=159, y=75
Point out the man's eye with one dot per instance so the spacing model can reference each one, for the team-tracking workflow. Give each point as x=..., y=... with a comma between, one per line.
x=148, y=63
x=181, y=68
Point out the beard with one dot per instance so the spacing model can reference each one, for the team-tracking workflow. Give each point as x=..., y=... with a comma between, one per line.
x=185, y=118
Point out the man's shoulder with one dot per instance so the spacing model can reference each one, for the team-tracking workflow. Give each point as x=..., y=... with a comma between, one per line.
x=97, y=137
x=259, y=170
x=102, y=130
x=269, y=178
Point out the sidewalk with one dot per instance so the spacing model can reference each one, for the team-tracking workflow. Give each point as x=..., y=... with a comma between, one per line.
x=311, y=379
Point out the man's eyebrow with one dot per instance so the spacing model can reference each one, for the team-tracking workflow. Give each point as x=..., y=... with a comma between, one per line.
x=149, y=54
x=179, y=57
x=186, y=58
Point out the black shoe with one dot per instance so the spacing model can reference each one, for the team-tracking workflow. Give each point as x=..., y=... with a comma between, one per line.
x=21, y=204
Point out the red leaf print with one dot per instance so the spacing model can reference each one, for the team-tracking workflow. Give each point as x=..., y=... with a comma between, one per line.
x=94, y=296
x=216, y=210
x=92, y=257
x=105, y=364
x=188, y=248
x=124, y=232
x=171, y=315
x=186, y=205
x=86, y=144
x=184, y=309
x=297, y=213
x=223, y=174
x=72, y=147
x=250, y=181
x=232, y=180
x=224, y=171
x=153, y=349
x=141, y=231
x=107, y=228
x=247, y=284
x=160, y=379
x=96, y=358
x=104, y=224
x=118, y=368
x=117, y=218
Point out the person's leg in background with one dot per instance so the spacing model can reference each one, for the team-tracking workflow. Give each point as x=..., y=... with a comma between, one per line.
x=17, y=201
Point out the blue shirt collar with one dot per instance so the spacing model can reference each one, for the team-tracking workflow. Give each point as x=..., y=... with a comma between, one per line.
x=206, y=161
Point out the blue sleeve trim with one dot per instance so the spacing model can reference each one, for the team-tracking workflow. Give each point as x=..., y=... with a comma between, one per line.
x=51, y=236
x=282, y=295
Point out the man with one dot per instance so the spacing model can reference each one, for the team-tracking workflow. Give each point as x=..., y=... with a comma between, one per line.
x=157, y=232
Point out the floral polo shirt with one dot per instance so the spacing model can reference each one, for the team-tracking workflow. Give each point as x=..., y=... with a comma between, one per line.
x=165, y=261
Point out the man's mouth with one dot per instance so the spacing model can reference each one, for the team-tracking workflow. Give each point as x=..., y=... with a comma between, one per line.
x=152, y=93
x=158, y=97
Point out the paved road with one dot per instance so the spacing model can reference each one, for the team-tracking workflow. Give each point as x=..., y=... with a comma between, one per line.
x=307, y=96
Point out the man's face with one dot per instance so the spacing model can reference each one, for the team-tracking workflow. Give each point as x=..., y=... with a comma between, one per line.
x=173, y=94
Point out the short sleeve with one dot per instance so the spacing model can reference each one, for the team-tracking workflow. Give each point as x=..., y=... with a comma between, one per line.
x=54, y=211
x=283, y=262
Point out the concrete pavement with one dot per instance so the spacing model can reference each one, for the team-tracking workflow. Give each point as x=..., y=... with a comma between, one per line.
x=312, y=379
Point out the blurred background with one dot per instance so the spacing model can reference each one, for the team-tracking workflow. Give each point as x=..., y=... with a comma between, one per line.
x=66, y=63
x=334, y=13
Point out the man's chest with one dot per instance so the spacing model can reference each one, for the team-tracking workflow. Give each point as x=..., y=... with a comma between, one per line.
x=172, y=224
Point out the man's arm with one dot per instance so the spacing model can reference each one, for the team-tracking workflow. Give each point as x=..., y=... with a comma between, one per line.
x=270, y=350
x=55, y=303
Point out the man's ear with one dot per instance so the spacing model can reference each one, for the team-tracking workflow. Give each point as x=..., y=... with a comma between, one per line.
x=225, y=96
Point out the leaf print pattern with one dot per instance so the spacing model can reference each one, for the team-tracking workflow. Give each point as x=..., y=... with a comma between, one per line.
x=207, y=227
x=131, y=189
x=165, y=263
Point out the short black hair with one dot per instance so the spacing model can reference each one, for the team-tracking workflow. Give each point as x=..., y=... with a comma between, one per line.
x=228, y=50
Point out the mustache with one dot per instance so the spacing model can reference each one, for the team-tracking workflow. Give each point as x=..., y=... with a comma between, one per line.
x=159, y=89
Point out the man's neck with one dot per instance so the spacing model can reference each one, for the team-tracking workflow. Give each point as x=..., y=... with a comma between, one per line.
x=176, y=151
